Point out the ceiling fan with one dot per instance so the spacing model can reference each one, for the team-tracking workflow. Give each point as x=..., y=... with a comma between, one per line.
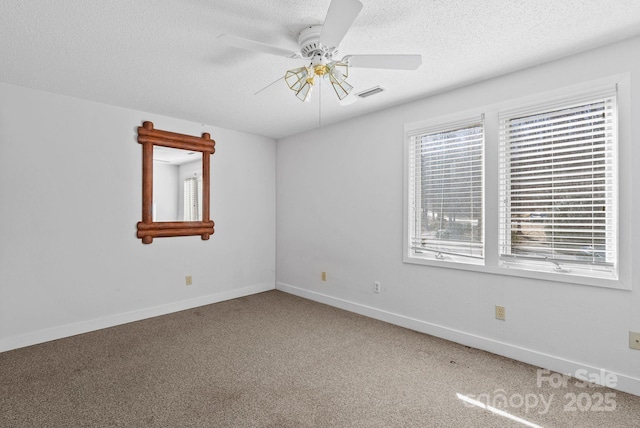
x=319, y=44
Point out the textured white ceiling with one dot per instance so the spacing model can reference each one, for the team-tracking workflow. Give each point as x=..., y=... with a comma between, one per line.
x=162, y=56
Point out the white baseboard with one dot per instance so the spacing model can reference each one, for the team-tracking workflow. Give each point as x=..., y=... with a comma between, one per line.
x=59, y=332
x=556, y=364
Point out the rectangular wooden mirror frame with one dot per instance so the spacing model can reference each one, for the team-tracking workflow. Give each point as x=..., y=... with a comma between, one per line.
x=147, y=228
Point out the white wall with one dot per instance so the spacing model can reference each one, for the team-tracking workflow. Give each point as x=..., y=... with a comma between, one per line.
x=70, y=198
x=340, y=210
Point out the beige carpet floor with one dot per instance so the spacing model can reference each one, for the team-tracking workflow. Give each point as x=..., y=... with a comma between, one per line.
x=276, y=360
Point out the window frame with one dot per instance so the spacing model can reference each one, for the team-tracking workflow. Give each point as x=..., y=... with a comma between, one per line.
x=451, y=124
x=508, y=259
x=492, y=263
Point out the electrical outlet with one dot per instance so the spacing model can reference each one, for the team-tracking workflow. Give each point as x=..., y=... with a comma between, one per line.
x=324, y=276
x=634, y=340
x=188, y=280
x=376, y=286
x=500, y=315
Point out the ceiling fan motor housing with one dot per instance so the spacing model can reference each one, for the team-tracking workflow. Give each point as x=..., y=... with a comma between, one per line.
x=310, y=47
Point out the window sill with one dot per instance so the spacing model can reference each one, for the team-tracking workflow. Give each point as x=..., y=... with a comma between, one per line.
x=451, y=262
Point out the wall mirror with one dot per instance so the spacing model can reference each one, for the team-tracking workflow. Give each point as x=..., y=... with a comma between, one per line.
x=175, y=184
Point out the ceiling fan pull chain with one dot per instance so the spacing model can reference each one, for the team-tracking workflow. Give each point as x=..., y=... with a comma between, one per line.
x=319, y=103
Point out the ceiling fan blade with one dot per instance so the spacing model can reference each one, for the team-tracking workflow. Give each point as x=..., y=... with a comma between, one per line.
x=392, y=62
x=239, y=42
x=340, y=16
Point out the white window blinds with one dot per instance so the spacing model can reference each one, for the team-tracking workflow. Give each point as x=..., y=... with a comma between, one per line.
x=445, y=190
x=558, y=184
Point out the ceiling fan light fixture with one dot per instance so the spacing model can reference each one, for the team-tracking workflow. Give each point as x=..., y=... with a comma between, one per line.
x=304, y=94
x=339, y=71
x=320, y=69
x=342, y=88
x=297, y=78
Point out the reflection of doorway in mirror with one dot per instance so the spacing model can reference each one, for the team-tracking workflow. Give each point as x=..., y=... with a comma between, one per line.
x=193, y=198
x=173, y=198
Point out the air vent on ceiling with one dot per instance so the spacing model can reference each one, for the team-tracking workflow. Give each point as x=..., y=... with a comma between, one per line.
x=369, y=92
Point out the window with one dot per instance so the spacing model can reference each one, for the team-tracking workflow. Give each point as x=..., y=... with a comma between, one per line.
x=558, y=186
x=537, y=187
x=445, y=191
